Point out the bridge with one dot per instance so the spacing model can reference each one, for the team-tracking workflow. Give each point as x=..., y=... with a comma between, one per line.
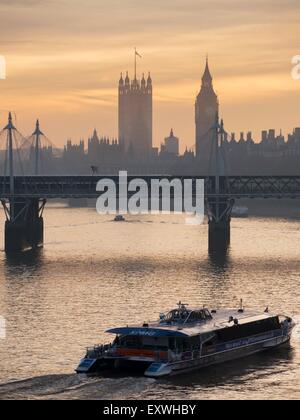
x=66, y=187
x=24, y=196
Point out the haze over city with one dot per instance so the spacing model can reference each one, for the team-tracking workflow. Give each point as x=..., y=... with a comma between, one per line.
x=64, y=60
x=150, y=197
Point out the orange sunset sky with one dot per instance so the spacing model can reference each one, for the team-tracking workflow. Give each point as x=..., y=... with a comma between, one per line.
x=64, y=59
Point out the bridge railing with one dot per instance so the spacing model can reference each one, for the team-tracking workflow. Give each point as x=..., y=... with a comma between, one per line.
x=85, y=186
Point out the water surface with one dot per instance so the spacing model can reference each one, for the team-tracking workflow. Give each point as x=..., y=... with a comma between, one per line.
x=94, y=274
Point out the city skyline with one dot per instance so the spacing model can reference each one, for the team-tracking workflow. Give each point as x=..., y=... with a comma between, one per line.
x=70, y=78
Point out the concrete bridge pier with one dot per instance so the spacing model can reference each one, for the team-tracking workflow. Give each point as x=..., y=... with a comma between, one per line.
x=24, y=226
x=219, y=214
x=219, y=236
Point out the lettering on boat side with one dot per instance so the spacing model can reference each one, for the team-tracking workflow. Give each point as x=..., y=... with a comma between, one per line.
x=150, y=410
x=148, y=333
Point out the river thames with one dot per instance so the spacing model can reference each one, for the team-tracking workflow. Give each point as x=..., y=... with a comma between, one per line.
x=94, y=274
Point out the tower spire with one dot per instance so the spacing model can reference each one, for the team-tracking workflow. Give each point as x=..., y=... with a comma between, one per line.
x=206, y=113
x=207, y=77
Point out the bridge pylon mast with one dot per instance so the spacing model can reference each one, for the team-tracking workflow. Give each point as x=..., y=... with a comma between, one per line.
x=10, y=129
x=37, y=135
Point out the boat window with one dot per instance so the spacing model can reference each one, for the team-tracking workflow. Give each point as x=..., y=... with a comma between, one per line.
x=200, y=316
x=195, y=342
x=176, y=315
x=172, y=343
x=183, y=344
x=246, y=330
x=131, y=341
x=182, y=315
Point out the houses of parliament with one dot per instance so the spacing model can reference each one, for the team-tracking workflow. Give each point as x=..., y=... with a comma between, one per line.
x=133, y=150
x=135, y=115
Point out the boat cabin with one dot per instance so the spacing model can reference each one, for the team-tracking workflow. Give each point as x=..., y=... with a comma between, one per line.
x=183, y=315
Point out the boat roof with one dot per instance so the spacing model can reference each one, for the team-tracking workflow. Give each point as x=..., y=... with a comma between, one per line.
x=218, y=321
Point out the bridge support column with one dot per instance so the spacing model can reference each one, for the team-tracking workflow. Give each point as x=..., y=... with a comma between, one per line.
x=219, y=213
x=219, y=236
x=24, y=226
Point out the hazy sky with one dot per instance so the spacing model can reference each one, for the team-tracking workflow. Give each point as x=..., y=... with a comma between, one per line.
x=64, y=59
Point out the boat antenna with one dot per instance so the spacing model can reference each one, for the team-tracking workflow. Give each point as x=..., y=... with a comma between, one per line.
x=241, y=310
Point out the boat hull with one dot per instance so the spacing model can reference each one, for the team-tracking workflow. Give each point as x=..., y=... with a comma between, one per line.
x=223, y=357
x=155, y=369
x=98, y=365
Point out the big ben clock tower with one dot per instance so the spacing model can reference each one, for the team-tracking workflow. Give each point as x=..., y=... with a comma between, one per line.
x=206, y=109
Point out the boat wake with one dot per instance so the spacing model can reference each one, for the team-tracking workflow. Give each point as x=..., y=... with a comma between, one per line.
x=71, y=387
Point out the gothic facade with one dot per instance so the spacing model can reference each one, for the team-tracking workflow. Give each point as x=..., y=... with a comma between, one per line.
x=135, y=115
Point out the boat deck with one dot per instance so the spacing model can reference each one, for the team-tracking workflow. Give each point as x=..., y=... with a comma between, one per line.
x=220, y=320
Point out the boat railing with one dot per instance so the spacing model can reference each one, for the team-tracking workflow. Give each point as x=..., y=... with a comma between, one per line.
x=99, y=349
x=161, y=356
x=177, y=356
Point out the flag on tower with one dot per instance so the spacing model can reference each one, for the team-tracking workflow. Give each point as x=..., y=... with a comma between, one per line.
x=136, y=53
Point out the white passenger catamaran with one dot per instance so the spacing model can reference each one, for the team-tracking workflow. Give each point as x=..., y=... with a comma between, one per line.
x=187, y=339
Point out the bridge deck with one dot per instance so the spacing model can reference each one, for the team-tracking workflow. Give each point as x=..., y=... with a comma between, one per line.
x=54, y=187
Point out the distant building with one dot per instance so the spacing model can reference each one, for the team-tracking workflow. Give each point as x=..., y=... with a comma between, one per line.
x=135, y=115
x=103, y=151
x=206, y=109
x=264, y=136
x=74, y=152
x=171, y=145
x=293, y=143
x=244, y=154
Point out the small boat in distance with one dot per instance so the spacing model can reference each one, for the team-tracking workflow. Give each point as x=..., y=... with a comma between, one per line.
x=187, y=339
x=119, y=218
